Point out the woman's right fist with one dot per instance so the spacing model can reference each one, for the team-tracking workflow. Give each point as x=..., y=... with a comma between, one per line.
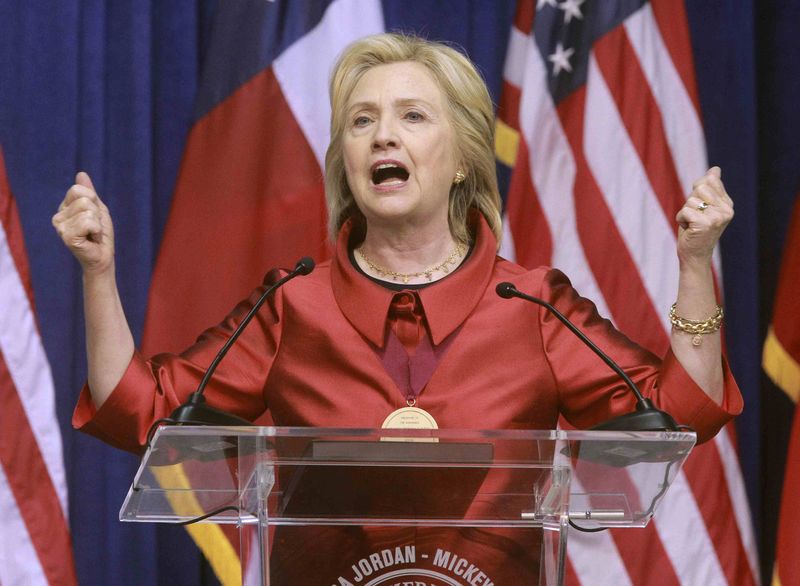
x=84, y=224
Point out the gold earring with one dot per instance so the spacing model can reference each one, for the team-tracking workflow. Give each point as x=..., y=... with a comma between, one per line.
x=459, y=177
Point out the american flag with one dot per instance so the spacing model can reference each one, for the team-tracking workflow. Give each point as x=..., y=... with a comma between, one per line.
x=600, y=131
x=35, y=543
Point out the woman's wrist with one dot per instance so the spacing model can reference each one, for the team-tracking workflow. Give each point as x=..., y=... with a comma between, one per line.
x=99, y=276
x=695, y=263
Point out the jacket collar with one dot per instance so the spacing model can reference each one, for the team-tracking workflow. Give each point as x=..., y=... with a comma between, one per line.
x=446, y=303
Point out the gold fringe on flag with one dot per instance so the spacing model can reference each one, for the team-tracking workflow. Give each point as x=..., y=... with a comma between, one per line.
x=209, y=537
x=506, y=143
x=781, y=367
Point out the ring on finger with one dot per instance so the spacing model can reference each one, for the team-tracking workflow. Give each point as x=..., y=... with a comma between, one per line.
x=702, y=206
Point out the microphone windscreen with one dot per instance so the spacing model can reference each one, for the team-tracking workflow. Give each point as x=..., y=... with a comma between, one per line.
x=506, y=290
x=304, y=266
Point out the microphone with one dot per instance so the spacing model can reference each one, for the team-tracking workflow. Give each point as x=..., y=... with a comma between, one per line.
x=195, y=411
x=646, y=417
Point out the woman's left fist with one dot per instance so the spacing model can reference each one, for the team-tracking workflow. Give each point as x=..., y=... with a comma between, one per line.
x=704, y=217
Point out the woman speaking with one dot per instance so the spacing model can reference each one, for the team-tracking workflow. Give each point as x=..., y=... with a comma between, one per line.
x=403, y=325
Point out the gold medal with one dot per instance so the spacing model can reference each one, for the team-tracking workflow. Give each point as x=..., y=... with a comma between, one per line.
x=410, y=418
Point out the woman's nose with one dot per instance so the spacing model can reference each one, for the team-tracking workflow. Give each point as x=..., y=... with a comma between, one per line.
x=385, y=135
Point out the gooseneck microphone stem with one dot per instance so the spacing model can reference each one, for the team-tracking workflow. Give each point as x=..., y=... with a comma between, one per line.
x=646, y=417
x=195, y=411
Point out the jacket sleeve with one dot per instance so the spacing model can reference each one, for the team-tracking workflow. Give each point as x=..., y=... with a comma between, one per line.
x=590, y=392
x=152, y=388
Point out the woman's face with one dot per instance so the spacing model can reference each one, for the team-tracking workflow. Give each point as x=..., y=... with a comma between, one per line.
x=399, y=149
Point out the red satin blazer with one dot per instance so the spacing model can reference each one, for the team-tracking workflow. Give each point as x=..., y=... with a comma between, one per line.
x=310, y=358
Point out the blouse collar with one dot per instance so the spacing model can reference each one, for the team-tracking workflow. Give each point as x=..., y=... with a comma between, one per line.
x=446, y=303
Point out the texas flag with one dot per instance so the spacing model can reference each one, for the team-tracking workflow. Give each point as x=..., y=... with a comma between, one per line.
x=250, y=192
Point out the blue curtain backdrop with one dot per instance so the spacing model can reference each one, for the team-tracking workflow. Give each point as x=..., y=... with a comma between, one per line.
x=109, y=87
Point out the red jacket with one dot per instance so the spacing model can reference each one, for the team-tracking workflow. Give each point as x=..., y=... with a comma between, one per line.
x=311, y=357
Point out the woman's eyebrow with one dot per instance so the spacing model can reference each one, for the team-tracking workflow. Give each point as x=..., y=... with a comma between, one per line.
x=371, y=105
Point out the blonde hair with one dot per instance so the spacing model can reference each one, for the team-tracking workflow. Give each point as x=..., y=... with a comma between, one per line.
x=470, y=112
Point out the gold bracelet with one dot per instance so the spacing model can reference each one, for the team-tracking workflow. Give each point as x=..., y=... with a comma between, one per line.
x=696, y=327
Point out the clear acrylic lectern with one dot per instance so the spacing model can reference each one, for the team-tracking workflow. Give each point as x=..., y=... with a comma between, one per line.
x=296, y=491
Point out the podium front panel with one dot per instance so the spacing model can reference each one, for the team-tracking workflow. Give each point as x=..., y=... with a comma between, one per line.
x=353, y=476
x=498, y=502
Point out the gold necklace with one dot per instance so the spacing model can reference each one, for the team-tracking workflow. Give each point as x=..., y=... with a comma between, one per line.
x=443, y=267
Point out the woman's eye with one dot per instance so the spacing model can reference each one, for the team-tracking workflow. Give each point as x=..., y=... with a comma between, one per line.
x=361, y=121
x=414, y=116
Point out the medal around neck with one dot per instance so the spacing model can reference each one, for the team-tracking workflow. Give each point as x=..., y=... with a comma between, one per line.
x=409, y=418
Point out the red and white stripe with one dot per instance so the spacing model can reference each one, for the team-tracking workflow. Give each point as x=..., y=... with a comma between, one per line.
x=34, y=534
x=553, y=183
x=607, y=169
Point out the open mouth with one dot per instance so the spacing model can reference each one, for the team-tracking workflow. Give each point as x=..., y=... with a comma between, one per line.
x=389, y=173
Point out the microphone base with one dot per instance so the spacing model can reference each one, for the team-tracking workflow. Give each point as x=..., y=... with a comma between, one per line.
x=202, y=414
x=645, y=419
